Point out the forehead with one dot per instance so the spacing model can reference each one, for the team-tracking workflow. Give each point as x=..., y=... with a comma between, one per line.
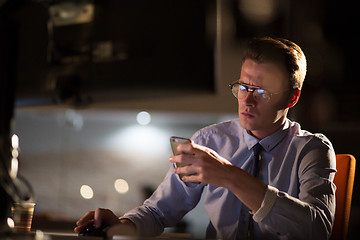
x=267, y=75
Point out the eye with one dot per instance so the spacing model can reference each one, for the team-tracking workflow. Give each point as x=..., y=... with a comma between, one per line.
x=262, y=93
x=243, y=87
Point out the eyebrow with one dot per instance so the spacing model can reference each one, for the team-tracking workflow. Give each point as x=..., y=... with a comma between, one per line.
x=249, y=85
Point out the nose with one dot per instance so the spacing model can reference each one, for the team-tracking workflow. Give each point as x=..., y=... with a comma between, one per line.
x=249, y=99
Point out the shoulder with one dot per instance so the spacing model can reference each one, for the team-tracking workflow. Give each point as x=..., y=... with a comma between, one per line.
x=312, y=148
x=309, y=139
x=218, y=132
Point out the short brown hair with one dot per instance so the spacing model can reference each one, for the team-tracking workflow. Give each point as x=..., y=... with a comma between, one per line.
x=282, y=51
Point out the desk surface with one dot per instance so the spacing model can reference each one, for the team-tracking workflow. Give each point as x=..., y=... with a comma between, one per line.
x=39, y=235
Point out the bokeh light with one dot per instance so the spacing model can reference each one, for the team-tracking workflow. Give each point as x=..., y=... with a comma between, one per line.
x=143, y=118
x=86, y=192
x=14, y=167
x=10, y=223
x=121, y=186
x=15, y=141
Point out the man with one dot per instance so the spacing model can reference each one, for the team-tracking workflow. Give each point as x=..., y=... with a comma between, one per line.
x=280, y=188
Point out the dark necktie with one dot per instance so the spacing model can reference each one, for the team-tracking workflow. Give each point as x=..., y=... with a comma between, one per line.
x=256, y=149
x=246, y=220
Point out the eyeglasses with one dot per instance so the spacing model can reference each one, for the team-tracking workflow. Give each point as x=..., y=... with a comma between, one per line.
x=240, y=90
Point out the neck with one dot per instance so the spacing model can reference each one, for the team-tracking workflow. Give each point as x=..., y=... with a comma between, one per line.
x=263, y=133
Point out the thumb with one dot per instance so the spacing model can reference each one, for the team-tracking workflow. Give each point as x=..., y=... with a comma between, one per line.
x=97, y=218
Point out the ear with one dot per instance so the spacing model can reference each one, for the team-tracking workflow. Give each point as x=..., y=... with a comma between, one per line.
x=294, y=98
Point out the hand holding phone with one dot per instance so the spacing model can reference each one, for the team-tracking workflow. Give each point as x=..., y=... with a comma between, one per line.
x=175, y=141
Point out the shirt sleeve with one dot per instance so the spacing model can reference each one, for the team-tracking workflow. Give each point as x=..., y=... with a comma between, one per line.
x=166, y=207
x=267, y=204
x=310, y=215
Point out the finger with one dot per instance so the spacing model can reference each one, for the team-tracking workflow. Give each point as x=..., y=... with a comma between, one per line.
x=183, y=159
x=83, y=226
x=185, y=148
x=186, y=170
x=98, y=216
x=191, y=178
x=193, y=149
x=202, y=151
x=84, y=219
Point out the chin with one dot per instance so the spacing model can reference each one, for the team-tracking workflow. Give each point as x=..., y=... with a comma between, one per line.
x=248, y=125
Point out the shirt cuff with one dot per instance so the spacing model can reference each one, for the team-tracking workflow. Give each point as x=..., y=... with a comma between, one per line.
x=127, y=218
x=267, y=204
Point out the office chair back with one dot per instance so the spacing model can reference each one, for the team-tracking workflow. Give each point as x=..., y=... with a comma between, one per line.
x=344, y=181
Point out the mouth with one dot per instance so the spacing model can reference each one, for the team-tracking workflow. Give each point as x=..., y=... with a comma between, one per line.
x=247, y=114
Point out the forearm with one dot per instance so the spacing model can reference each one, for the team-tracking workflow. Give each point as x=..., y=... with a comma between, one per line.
x=146, y=221
x=282, y=214
x=125, y=227
x=166, y=207
x=291, y=217
x=246, y=188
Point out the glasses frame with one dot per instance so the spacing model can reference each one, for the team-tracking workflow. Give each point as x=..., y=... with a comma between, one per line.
x=251, y=89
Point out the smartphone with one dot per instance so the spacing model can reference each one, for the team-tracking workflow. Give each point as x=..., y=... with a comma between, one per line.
x=175, y=141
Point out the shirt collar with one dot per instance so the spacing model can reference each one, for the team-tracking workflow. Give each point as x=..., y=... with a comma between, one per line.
x=269, y=142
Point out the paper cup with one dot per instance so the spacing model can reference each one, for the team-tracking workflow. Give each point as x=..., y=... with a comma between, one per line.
x=22, y=214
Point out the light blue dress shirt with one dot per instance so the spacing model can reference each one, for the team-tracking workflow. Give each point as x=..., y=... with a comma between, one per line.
x=297, y=166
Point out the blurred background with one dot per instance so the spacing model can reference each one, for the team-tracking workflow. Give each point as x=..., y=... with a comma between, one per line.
x=101, y=85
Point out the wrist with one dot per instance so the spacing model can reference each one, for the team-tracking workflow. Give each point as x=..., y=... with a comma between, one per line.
x=124, y=227
x=232, y=179
x=127, y=222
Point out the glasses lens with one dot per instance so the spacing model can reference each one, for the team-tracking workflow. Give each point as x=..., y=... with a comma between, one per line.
x=240, y=91
x=235, y=89
x=261, y=94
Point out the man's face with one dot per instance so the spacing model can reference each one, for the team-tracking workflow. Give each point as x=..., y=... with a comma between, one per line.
x=263, y=118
